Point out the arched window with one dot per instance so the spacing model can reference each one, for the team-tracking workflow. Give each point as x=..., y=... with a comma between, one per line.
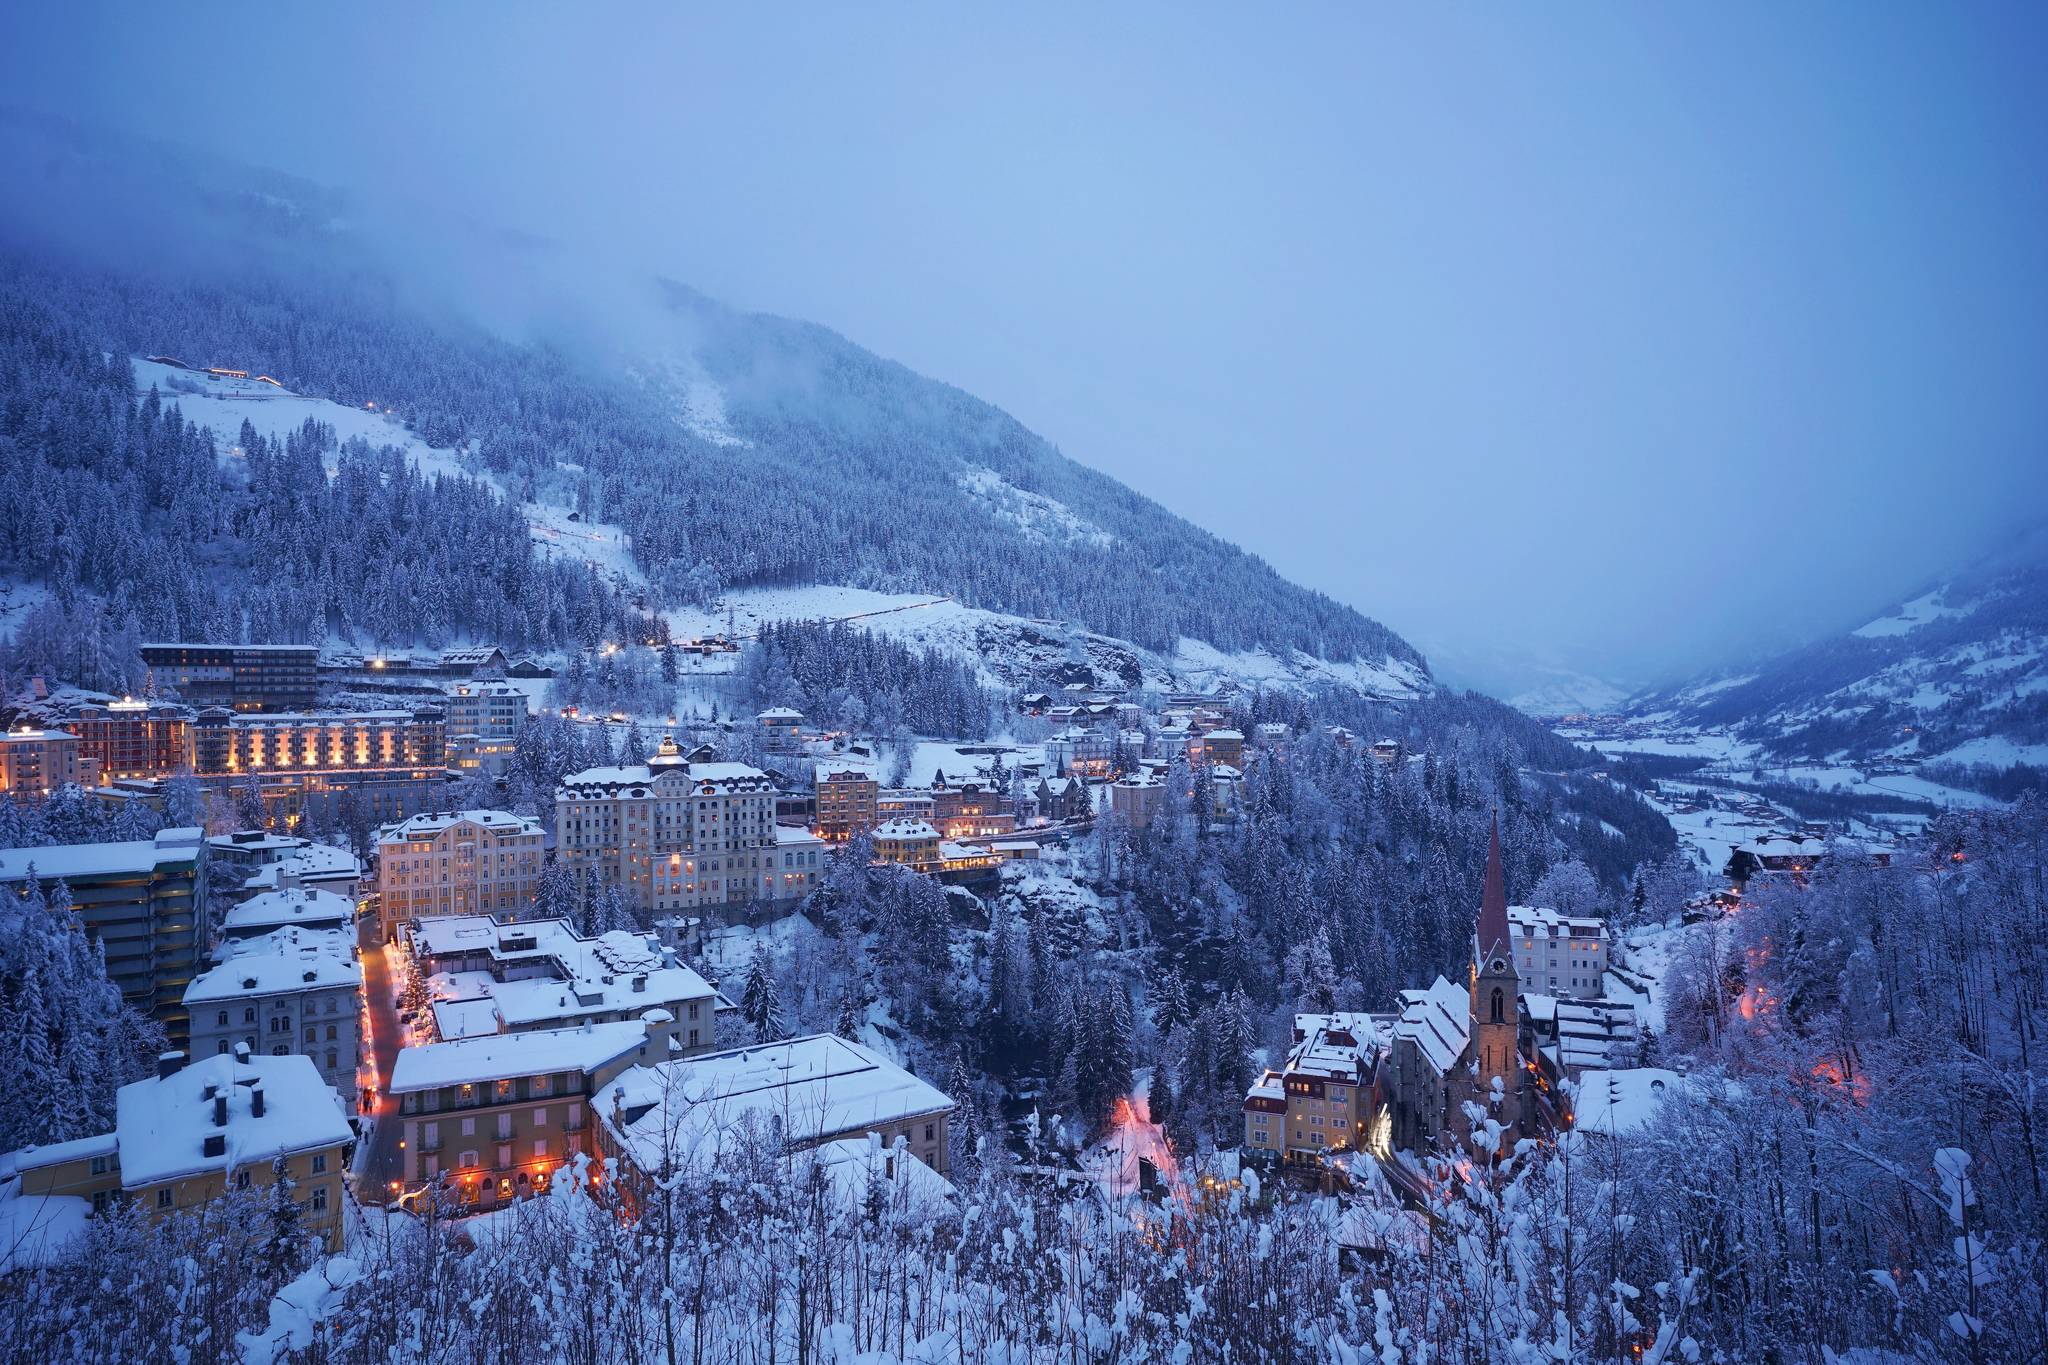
x=1496, y=1005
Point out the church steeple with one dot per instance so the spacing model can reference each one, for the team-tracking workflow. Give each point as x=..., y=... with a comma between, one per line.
x=1496, y=992
x=1491, y=932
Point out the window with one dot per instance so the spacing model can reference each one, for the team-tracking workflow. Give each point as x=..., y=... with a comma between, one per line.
x=222, y=1046
x=249, y=1015
x=319, y=1163
x=1496, y=1006
x=540, y=1146
x=163, y=1197
x=320, y=1199
x=99, y=1201
x=241, y=1180
x=280, y=1050
x=469, y=1127
x=540, y=1117
x=222, y=1019
x=99, y=1165
x=929, y=1130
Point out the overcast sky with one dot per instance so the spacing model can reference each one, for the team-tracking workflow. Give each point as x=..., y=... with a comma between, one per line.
x=1628, y=335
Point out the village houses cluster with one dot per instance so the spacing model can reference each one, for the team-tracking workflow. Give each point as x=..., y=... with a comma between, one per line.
x=413, y=1022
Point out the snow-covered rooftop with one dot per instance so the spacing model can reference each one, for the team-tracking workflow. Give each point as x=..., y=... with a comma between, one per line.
x=162, y=1123
x=1617, y=1103
x=1438, y=1019
x=473, y=1061
x=905, y=827
x=278, y=963
x=1535, y=921
x=428, y=824
x=66, y=861
x=816, y=1087
x=300, y=905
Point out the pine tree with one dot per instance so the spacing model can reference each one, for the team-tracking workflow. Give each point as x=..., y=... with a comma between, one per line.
x=761, y=1002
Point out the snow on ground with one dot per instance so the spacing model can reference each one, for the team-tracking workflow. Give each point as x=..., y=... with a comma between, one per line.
x=1201, y=664
x=1133, y=1137
x=1920, y=611
x=16, y=601
x=1647, y=957
x=728, y=950
x=1997, y=751
x=1045, y=520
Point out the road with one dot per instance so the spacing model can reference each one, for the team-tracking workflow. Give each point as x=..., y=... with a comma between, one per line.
x=384, y=1163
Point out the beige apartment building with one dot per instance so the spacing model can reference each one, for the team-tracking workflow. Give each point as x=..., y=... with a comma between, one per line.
x=470, y=862
x=38, y=761
x=496, y=1117
x=676, y=835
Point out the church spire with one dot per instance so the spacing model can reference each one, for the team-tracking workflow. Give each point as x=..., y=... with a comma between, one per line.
x=1492, y=928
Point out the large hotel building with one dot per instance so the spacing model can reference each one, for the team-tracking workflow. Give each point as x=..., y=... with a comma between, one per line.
x=675, y=835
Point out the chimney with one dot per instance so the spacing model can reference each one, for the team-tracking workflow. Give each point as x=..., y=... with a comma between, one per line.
x=640, y=982
x=242, y=1053
x=220, y=1111
x=256, y=1100
x=168, y=1064
x=216, y=1145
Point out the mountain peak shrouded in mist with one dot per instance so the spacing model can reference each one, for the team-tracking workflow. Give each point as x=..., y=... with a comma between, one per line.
x=734, y=449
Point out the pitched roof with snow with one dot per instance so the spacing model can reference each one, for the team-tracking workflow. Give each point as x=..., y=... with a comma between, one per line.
x=300, y=905
x=1438, y=1021
x=1618, y=1103
x=162, y=1123
x=544, y=1052
x=815, y=1087
x=282, y=965
x=427, y=824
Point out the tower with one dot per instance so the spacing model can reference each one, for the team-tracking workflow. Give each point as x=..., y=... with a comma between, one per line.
x=1496, y=989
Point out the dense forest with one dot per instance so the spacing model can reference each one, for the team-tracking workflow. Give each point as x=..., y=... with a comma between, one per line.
x=139, y=528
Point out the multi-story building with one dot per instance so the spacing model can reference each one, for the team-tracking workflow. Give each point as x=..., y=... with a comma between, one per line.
x=800, y=1093
x=484, y=977
x=132, y=740
x=484, y=720
x=36, y=761
x=187, y=1135
x=912, y=843
x=1320, y=1100
x=846, y=801
x=1217, y=747
x=1559, y=955
x=472, y=862
x=781, y=729
x=143, y=901
x=292, y=991
x=240, y=677
x=495, y=1117
x=971, y=810
x=1137, y=798
x=252, y=861
x=392, y=763
x=676, y=835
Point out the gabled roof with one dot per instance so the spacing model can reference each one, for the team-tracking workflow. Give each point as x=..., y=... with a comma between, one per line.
x=1438, y=1021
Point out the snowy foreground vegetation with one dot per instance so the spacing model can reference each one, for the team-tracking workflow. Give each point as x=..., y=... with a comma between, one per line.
x=1853, y=1169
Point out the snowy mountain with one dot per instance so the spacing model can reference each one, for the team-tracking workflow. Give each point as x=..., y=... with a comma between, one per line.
x=1958, y=674
x=694, y=453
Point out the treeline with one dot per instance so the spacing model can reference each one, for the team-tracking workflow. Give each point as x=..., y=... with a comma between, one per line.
x=864, y=682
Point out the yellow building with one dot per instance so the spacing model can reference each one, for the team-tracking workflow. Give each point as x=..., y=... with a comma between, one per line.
x=190, y=1133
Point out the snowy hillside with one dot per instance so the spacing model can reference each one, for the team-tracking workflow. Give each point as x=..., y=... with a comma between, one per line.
x=1956, y=675
x=1010, y=651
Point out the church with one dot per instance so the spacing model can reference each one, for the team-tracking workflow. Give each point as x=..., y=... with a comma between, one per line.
x=1451, y=1047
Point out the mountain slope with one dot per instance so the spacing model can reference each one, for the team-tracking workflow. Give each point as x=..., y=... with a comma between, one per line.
x=735, y=450
x=1957, y=674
